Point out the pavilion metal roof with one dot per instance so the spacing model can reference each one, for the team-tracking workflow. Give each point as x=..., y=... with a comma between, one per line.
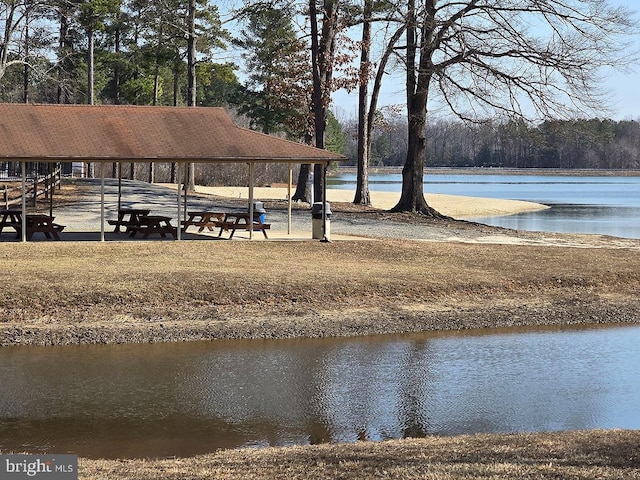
x=140, y=134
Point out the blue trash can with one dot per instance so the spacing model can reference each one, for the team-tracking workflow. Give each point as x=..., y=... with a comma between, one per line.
x=260, y=212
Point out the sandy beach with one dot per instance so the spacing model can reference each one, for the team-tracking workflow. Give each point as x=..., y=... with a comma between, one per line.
x=454, y=206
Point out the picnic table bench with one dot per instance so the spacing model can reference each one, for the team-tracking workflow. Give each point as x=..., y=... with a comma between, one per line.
x=36, y=222
x=241, y=221
x=148, y=224
x=128, y=218
x=44, y=224
x=204, y=220
x=12, y=219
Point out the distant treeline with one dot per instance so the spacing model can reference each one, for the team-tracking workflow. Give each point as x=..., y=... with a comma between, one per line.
x=599, y=144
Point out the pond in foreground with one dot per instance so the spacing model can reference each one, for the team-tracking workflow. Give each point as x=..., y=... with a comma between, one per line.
x=188, y=398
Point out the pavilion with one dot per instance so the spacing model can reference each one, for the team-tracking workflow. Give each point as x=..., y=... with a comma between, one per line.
x=107, y=134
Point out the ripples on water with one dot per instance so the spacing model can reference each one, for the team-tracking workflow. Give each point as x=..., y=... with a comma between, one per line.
x=184, y=399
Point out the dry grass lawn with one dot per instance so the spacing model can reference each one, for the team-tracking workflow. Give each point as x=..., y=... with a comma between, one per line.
x=569, y=455
x=67, y=292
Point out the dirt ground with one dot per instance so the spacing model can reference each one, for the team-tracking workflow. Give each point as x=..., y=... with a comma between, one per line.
x=149, y=291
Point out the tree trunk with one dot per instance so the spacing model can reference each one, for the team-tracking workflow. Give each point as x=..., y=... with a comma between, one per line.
x=191, y=81
x=174, y=165
x=6, y=38
x=176, y=86
x=412, y=197
x=156, y=72
x=319, y=119
x=90, y=68
x=156, y=84
x=363, y=196
x=303, y=192
x=116, y=68
x=418, y=81
x=303, y=189
x=25, y=83
x=366, y=117
x=90, y=48
x=191, y=177
x=191, y=55
x=62, y=45
x=322, y=53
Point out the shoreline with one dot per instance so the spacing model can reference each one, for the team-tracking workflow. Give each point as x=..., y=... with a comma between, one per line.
x=361, y=323
x=454, y=206
x=584, y=172
x=602, y=454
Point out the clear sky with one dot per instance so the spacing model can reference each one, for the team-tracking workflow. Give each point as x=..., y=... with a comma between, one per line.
x=623, y=89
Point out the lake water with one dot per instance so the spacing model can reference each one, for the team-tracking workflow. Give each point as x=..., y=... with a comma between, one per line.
x=608, y=205
x=188, y=398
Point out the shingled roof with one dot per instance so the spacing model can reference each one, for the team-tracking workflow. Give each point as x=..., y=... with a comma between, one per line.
x=135, y=133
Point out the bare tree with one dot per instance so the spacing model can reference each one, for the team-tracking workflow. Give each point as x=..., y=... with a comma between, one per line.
x=527, y=57
x=367, y=113
x=15, y=19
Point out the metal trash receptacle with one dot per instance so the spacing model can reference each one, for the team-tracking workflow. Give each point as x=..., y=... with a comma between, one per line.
x=316, y=221
x=259, y=211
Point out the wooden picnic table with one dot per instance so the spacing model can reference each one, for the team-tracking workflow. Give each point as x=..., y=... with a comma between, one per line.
x=241, y=221
x=128, y=218
x=203, y=220
x=37, y=222
x=11, y=218
x=148, y=224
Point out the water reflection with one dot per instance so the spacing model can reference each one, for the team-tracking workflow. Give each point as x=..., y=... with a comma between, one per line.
x=603, y=220
x=183, y=399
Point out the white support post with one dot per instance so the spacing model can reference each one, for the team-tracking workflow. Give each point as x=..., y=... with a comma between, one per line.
x=102, y=201
x=23, y=234
x=185, y=181
x=251, y=182
x=179, y=229
x=119, y=186
x=289, y=202
x=325, y=237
